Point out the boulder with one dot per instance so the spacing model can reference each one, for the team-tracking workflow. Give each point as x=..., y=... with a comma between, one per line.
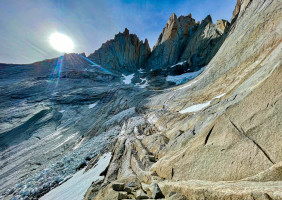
x=118, y=186
x=140, y=194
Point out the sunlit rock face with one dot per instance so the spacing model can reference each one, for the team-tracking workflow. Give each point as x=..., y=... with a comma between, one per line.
x=204, y=43
x=123, y=53
x=184, y=40
x=172, y=41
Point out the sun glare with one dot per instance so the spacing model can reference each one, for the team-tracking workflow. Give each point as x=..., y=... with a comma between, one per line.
x=61, y=43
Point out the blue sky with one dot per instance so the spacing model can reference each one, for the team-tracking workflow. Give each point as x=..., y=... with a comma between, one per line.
x=26, y=25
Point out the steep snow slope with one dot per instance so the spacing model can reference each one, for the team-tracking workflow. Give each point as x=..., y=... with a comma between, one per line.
x=76, y=186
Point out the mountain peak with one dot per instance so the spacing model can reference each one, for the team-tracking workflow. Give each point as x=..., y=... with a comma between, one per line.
x=126, y=31
x=173, y=17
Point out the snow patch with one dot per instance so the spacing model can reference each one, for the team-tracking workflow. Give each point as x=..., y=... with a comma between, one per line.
x=76, y=187
x=142, y=85
x=127, y=79
x=219, y=96
x=141, y=70
x=195, y=108
x=92, y=105
x=183, y=78
x=180, y=63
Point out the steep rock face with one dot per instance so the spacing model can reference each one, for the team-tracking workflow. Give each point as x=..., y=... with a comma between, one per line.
x=172, y=41
x=205, y=42
x=123, y=53
x=184, y=40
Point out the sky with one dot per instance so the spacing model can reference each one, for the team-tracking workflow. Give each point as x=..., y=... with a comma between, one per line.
x=26, y=25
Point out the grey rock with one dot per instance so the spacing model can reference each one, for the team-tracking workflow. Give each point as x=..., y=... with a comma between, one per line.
x=123, y=53
x=171, y=41
x=140, y=194
x=122, y=195
x=157, y=193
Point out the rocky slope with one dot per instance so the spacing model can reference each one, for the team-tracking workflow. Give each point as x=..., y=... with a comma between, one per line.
x=216, y=137
x=182, y=40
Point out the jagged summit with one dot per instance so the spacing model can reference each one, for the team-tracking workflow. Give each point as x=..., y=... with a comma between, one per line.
x=175, y=26
x=123, y=53
x=182, y=39
x=126, y=53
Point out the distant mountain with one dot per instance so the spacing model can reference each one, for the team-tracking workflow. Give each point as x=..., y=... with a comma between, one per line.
x=182, y=39
x=123, y=53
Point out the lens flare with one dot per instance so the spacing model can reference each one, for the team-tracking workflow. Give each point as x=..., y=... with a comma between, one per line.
x=61, y=43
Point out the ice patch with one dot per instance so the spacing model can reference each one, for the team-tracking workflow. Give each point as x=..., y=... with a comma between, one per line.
x=92, y=105
x=180, y=63
x=76, y=187
x=127, y=79
x=62, y=111
x=195, y=108
x=219, y=96
x=143, y=85
x=183, y=78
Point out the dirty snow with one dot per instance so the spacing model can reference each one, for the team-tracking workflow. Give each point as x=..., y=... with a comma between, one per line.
x=116, y=119
x=76, y=187
x=183, y=78
x=127, y=79
x=195, y=108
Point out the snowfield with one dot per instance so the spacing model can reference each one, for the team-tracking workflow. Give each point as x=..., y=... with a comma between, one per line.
x=92, y=105
x=195, y=108
x=77, y=186
x=183, y=78
x=127, y=79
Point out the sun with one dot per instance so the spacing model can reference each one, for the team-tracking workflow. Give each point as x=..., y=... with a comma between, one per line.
x=61, y=43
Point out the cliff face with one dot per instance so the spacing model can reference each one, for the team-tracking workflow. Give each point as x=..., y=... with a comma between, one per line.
x=182, y=39
x=123, y=53
x=205, y=42
x=172, y=41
